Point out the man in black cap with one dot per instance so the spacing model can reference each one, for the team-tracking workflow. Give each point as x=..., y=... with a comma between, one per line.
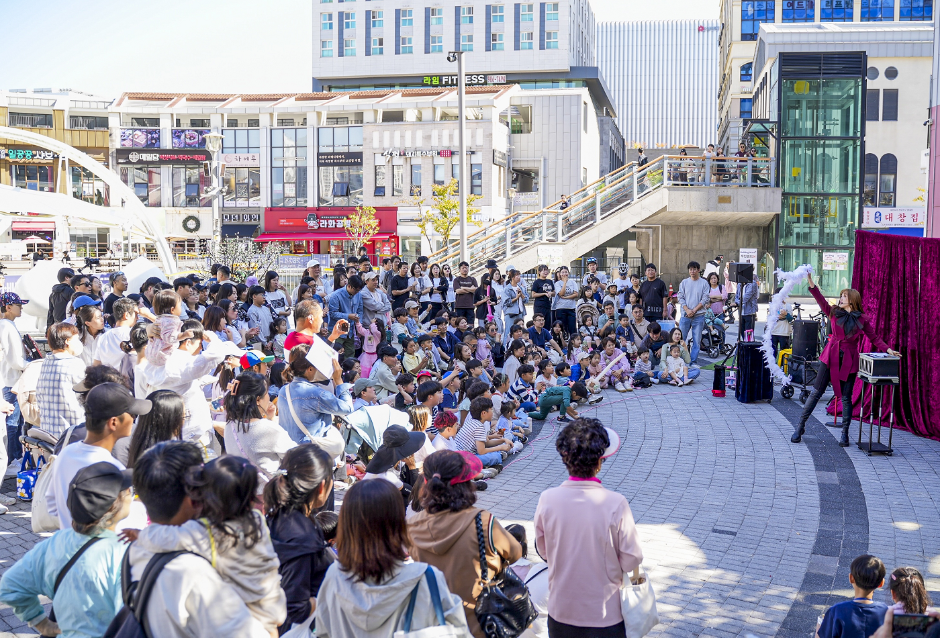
x=398, y=444
x=110, y=409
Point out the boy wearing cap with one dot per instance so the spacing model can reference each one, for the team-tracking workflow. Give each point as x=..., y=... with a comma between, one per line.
x=110, y=409
x=256, y=362
x=364, y=391
x=89, y=597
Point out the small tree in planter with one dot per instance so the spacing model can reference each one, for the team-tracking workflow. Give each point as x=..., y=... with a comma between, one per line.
x=361, y=227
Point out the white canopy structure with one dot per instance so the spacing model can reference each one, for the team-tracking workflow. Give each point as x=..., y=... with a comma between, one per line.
x=135, y=217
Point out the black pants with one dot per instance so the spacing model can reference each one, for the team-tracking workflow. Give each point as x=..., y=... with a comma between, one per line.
x=748, y=322
x=822, y=382
x=435, y=308
x=568, y=321
x=779, y=342
x=561, y=630
x=467, y=313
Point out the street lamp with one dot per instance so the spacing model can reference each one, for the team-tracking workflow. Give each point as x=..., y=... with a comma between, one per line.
x=457, y=56
x=214, y=145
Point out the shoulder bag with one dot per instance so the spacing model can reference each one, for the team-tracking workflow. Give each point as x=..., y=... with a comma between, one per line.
x=503, y=608
x=442, y=630
x=332, y=443
x=638, y=604
x=41, y=520
x=65, y=570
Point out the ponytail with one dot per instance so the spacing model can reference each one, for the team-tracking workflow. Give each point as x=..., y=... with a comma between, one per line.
x=302, y=471
x=907, y=585
x=297, y=363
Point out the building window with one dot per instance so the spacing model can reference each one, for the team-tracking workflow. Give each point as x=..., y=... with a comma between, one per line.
x=244, y=187
x=379, y=181
x=87, y=122
x=437, y=16
x=799, y=11
x=406, y=45
x=476, y=179
x=287, y=122
x=378, y=46
x=753, y=13
x=349, y=20
x=584, y=116
x=378, y=19
x=440, y=174
x=340, y=186
x=872, y=103
x=889, y=106
x=143, y=180
x=746, y=107
x=326, y=21
x=877, y=10
x=551, y=39
x=872, y=74
x=398, y=180
x=241, y=141
x=526, y=40
x=916, y=10
x=527, y=12
x=466, y=15
x=496, y=42
x=437, y=44
x=551, y=11
x=39, y=178
x=887, y=185
x=349, y=47
x=497, y=13
x=891, y=73
x=466, y=42
x=340, y=139
x=188, y=183
x=416, y=178
x=455, y=174
x=31, y=120
x=836, y=11
x=407, y=18
x=746, y=71
x=870, y=190
x=326, y=48
x=289, y=167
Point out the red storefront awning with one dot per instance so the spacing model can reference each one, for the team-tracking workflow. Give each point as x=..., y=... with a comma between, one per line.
x=34, y=226
x=312, y=236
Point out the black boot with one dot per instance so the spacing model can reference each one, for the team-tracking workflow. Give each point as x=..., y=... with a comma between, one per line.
x=844, y=441
x=798, y=432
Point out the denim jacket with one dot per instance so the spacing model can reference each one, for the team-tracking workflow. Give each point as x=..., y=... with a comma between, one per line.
x=315, y=406
x=342, y=304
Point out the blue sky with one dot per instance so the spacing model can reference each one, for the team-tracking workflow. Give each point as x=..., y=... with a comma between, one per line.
x=105, y=47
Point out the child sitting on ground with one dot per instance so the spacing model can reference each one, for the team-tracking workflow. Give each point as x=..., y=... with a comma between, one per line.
x=406, y=391
x=447, y=426
x=232, y=535
x=328, y=521
x=521, y=389
x=546, y=374
x=398, y=329
x=563, y=374
x=509, y=425
x=168, y=306
x=862, y=616
x=619, y=373
x=594, y=369
x=451, y=383
x=364, y=393
x=676, y=370
x=643, y=370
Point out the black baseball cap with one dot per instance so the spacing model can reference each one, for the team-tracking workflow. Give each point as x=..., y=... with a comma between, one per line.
x=113, y=399
x=94, y=490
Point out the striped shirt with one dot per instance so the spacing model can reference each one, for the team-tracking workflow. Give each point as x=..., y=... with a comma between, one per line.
x=521, y=391
x=469, y=433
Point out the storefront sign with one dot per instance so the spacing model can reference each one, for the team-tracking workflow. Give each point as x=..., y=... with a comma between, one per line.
x=394, y=152
x=894, y=217
x=748, y=256
x=181, y=156
x=241, y=218
x=189, y=138
x=27, y=155
x=140, y=138
x=526, y=199
x=324, y=219
x=471, y=80
x=242, y=160
x=316, y=222
x=835, y=261
x=339, y=159
x=500, y=158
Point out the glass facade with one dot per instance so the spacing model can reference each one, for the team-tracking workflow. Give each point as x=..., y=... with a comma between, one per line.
x=799, y=11
x=836, y=11
x=877, y=10
x=289, y=167
x=753, y=13
x=821, y=173
x=916, y=10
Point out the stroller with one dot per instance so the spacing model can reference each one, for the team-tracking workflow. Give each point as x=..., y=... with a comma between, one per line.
x=363, y=429
x=713, y=336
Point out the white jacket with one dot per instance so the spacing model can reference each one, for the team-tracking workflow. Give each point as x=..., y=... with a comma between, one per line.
x=347, y=608
x=190, y=599
x=12, y=359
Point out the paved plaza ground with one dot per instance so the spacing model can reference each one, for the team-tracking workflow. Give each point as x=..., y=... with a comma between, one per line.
x=744, y=532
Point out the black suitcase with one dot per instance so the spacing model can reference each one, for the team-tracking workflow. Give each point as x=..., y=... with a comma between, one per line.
x=754, y=382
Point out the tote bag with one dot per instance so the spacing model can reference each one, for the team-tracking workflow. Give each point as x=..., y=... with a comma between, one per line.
x=442, y=630
x=638, y=604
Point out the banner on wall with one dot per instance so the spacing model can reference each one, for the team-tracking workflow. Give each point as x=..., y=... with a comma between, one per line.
x=835, y=261
x=873, y=217
x=748, y=256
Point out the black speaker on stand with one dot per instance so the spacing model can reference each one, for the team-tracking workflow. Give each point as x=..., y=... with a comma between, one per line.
x=805, y=339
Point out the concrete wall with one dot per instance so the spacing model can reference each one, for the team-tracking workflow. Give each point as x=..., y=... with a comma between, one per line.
x=682, y=244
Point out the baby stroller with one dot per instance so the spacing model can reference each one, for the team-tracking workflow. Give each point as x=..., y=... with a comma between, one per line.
x=363, y=429
x=713, y=336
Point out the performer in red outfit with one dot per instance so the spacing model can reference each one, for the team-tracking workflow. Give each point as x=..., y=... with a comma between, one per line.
x=839, y=360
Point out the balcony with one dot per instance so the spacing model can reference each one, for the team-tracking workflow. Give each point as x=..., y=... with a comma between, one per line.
x=31, y=120
x=88, y=123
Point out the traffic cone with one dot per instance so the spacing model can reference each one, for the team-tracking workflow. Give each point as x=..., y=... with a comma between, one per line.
x=670, y=290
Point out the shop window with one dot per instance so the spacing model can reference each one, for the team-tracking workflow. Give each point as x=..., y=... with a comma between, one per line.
x=407, y=45
x=877, y=10
x=889, y=108
x=526, y=12
x=466, y=42
x=753, y=13
x=466, y=15
x=379, y=181
x=799, y=11
x=437, y=16
x=871, y=105
x=747, y=104
x=496, y=42
x=398, y=180
x=189, y=182
x=416, y=179
x=89, y=188
x=145, y=182
x=526, y=40
x=326, y=21
x=349, y=47
x=746, y=71
x=551, y=39
x=440, y=174
x=497, y=13
x=437, y=43
x=243, y=187
x=916, y=10
x=288, y=167
x=378, y=46
x=551, y=11
x=887, y=183
x=476, y=179
x=241, y=141
x=378, y=19
x=33, y=177
x=836, y=11
x=870, y=190
x=407, y=17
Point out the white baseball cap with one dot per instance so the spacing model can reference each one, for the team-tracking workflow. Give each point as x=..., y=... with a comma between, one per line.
x=614, y=443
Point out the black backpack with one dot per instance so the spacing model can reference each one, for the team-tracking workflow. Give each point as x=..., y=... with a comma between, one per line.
x=129, y=621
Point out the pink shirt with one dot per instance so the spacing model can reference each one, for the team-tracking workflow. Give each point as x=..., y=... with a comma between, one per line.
x=588, y=537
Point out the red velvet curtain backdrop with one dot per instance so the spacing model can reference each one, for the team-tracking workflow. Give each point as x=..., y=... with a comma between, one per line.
x=899, y=279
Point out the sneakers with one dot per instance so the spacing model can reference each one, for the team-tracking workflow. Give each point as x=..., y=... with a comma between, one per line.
x=654, y=379
x=563, y=419
x=680, y=383
x=7, y=500
x=3, y=510
x=489, y=472
x=595, y=399
x=504, y=454
x=619, y=387
x=628, y=387
x=480, y=485
x=516, y=447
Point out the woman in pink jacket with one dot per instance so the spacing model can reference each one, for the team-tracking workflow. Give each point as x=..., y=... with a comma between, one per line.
x=839, y=360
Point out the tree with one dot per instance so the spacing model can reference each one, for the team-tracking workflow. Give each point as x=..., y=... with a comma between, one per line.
x=243, y=256
x=444, y=214
x=424, y=221
x=362, y=225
